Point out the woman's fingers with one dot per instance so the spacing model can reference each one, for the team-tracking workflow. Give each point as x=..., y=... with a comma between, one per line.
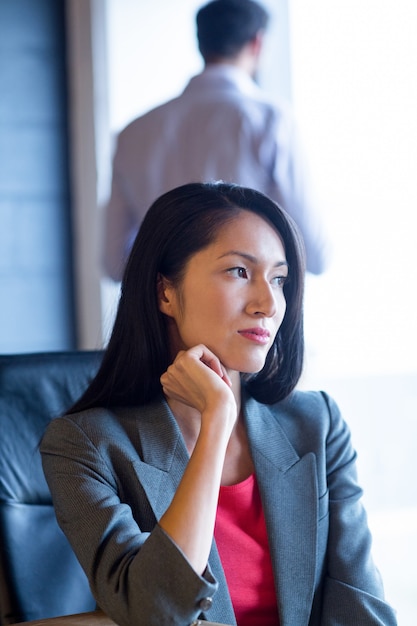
x=189, y=377
x=214, y=364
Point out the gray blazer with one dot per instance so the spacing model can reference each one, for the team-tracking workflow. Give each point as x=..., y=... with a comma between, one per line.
x=112, y=475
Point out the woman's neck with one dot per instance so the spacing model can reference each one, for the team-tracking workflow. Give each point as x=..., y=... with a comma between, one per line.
x=238, y=463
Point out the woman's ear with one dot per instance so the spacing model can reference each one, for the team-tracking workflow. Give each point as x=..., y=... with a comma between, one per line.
x=165, y=293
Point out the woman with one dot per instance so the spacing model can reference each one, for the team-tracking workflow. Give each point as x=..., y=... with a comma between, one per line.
x=192, y=430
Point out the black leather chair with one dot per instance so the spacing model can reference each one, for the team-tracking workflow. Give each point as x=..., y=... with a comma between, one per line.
x=39, y=574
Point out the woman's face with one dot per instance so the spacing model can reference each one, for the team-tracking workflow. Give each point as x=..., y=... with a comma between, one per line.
x=231, y=298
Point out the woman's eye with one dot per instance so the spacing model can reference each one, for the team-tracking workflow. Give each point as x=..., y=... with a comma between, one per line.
x=279, y=281
x=239, y=272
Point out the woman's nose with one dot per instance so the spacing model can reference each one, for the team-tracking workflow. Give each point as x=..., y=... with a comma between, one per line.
x=263, y=300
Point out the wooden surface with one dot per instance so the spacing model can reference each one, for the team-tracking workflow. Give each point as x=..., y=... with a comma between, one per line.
x=95, y=618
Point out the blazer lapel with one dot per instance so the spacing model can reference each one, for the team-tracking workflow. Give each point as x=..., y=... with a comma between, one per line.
x=288, y=488
x=165, y=458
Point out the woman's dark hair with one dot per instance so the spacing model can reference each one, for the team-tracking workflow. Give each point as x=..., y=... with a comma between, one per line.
x=225, y=26
x=178, y=224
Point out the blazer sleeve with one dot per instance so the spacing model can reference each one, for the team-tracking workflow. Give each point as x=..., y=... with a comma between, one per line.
x=138, y=577
x=352, y=588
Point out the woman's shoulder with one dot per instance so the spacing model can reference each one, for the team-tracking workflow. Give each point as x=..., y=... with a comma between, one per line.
x=101, y=423
x=89, y=418
x=310, y=402
x=92, y=424
x=305, y=412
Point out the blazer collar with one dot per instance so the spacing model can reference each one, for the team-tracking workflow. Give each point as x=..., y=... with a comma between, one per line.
x=227, y=78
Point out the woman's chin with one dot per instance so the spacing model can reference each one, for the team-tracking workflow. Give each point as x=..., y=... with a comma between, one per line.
x=252, y=367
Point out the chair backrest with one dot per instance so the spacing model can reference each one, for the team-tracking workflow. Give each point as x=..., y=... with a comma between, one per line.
x=40, y=576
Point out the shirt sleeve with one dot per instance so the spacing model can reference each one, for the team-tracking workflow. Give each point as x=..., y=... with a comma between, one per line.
x=293, y=186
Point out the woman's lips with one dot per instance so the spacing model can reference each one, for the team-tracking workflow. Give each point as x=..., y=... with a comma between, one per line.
x=258, y=335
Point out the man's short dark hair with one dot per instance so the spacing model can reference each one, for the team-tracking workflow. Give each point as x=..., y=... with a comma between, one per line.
x=225, y=26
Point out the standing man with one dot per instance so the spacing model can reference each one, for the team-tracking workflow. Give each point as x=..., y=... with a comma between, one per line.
x=222, y=126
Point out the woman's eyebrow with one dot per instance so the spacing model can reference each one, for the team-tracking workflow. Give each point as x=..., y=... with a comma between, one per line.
x=250, y=257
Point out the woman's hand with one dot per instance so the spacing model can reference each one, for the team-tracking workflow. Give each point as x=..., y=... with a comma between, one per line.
x=198, y=379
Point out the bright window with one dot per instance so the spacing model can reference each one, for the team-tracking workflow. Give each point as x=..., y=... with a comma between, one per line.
x=354, y=86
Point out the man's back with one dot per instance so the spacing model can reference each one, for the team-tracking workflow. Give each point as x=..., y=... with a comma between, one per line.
x=216, y=129
x=221, y=127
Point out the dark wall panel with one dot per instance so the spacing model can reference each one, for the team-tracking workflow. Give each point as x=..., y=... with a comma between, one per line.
x=36, y=285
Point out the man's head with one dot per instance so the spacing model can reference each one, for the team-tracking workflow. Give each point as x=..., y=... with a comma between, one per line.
x=225, y=27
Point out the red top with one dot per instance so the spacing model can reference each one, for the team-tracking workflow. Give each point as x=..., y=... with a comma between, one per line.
x=241, y=538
